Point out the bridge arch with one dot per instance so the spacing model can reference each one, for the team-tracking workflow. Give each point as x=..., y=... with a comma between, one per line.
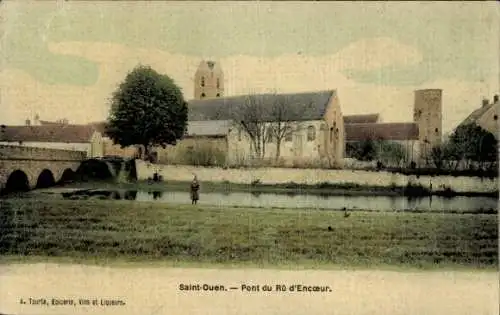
x=68, y=175
x=17, y=182
x=45, y=179
x=96, y=169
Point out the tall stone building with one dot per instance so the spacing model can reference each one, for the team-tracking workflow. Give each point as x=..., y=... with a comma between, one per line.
x=208, y=81
x=428, y=116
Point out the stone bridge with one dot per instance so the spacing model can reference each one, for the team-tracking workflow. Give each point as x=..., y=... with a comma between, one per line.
x=24, y=168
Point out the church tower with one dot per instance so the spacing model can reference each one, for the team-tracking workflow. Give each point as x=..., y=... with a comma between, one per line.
x=428, y=114
x=208, y=81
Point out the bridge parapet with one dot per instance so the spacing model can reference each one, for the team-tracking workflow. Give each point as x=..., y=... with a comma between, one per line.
x=12, y=152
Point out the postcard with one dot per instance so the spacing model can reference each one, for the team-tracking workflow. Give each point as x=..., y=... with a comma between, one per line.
x=241, y=157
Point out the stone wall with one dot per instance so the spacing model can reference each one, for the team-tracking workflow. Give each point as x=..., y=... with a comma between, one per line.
x=20, y=152
x=312, y=176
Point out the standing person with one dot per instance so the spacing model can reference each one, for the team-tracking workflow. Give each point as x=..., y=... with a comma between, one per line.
x=195, y=187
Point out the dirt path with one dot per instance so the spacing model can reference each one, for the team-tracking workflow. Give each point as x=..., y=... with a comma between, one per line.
x=152, y=291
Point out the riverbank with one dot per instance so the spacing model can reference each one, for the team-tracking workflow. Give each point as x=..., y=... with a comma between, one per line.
x=324, y=189
x=105, y=230
x=318, y=178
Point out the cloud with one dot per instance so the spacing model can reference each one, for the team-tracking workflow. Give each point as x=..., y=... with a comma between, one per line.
x=22, y=95
x=375, y=53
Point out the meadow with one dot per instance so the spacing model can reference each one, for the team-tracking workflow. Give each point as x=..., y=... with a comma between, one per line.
x=104, y=231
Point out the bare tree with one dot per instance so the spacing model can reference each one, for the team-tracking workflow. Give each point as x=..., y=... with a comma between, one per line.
x=251, y=117
x=282, y=122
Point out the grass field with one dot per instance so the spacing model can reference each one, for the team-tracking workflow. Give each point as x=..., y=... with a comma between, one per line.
x=102, y=230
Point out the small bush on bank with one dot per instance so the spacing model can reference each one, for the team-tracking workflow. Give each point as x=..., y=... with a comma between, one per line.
x=416, y=190
x=444, y=172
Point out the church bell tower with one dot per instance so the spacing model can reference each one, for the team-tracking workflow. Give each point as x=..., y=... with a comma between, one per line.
x=208, y=81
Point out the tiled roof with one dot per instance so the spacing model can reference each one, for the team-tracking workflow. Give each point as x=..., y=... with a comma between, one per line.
x=361, y=119
x=48, y=133
x=475, y=115
x=46, y=122
x=194, y=128
x=303, y=106
x=208, y=128
x=385, y=131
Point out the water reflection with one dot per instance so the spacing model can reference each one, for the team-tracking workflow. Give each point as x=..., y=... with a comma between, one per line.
x=130, y=195
x=294, y=200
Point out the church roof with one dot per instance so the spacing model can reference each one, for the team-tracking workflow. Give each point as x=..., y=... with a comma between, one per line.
x=303, y=106
x=361, y=119
x=384, y=131
x=48, y=133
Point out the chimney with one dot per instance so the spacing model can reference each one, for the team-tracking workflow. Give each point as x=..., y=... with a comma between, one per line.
x=486, y=102
x=495, y=99
x=28, y=122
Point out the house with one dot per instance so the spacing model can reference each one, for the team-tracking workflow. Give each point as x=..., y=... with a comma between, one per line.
x=313, y=120
x=405, y=134
x=486, y=116
x=109, y=148
x=55, y=136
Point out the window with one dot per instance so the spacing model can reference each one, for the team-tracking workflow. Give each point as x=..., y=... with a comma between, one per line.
x=495, y=117
x=311, y=133
x=202, y=95
x=239, y=134
x=331, y=134
x=202, y=83
x=436, y=130
x=288, y=136
x=218, y=83
x=218, y=95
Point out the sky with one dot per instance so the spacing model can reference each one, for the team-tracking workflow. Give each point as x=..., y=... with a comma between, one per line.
x=63, y=59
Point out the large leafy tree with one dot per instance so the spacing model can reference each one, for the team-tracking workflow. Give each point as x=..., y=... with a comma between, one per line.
x=472, y=143
x=147, y=109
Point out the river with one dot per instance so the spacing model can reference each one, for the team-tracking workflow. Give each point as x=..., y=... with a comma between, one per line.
x=272, y=200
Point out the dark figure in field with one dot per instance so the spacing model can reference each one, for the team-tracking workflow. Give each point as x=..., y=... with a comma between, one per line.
x=195, y=187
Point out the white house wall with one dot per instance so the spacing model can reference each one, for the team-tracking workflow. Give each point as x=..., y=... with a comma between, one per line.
x=97, y=145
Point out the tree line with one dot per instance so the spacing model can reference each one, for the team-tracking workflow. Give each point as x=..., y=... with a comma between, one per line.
x=469, y=147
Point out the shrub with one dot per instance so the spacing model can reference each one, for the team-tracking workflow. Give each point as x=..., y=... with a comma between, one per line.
x=204, y=155
x=255, y=182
